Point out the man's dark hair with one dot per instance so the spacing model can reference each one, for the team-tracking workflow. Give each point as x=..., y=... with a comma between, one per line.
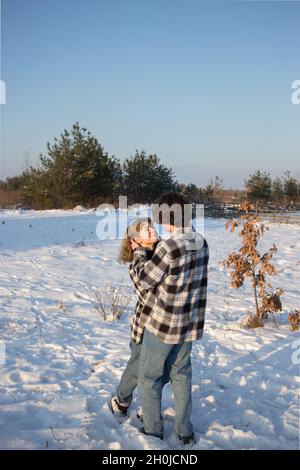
x=179, y=216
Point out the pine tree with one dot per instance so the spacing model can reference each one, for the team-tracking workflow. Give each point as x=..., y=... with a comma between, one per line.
x=277, y=190
x=259, y=186
x=145, y=178
x=79, y=170
x=290, y=187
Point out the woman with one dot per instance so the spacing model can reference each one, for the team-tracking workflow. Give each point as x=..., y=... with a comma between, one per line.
x=142, y=232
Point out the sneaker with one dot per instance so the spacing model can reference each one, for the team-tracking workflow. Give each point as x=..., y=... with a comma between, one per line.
x=117, y=409
x=160, y=436
x=187, y=440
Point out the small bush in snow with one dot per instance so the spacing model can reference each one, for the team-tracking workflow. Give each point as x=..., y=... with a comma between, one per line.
x=249, y=263
x=294, y=319
x=111, y=302
x=252, y=321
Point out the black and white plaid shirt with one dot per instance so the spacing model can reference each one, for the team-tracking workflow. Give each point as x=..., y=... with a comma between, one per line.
x=174, y=285
x=144, y=305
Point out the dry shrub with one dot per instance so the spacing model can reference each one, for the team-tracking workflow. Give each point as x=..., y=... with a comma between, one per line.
x=111, y=302
x=249, y=264
x=252, y=321
x=9, y=199
x=294, y=319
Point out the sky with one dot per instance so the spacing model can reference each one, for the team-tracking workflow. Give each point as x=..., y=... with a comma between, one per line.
x=204, y=85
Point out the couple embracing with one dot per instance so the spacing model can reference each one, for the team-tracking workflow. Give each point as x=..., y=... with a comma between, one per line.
x=170, y=280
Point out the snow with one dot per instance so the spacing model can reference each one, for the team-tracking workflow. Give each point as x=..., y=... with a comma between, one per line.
x=80, y=208
x=63, y=361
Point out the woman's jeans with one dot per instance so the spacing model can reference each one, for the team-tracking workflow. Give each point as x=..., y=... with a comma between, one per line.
x=155, y=358
x=129, y=379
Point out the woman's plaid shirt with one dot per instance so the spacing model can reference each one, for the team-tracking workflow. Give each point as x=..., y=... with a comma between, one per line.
x=144, y=305
x=173, y=284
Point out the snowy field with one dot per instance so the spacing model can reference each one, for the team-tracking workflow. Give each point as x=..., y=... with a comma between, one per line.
x=63, y=362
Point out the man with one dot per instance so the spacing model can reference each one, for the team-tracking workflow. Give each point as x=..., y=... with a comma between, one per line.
x=177, y=275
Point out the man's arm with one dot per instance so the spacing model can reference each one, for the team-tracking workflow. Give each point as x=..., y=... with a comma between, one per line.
x=150, y=273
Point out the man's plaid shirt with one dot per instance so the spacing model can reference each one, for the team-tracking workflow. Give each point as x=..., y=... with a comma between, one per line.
x=173, y=284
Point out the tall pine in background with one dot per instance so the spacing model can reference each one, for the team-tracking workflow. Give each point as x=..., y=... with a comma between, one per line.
x=145, y=178
x=75, y=170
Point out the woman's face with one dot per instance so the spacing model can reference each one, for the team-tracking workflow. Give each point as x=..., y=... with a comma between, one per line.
x=147, y=235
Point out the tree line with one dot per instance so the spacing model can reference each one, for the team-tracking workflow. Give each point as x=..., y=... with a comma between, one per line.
x=77, y=170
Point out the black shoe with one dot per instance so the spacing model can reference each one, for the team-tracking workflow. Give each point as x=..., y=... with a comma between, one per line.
x=159, y=436
x=187, y=440
x=116, y=408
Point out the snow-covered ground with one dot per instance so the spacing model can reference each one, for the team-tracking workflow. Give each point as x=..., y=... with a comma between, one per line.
x=63, y=361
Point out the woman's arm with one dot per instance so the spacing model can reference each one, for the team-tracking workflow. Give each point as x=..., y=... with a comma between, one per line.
x=135, y=280
x=149, y=274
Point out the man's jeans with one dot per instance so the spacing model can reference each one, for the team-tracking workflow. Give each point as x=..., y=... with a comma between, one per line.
x=156, y=357
x=130, y=375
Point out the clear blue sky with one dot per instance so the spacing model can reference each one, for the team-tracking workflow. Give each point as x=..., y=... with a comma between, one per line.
x=205, y=85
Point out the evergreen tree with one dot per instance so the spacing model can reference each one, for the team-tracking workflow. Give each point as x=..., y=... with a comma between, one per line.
x=78, y=170
x=193, y=193
x=277, y=190
x=36, y=190
x=290, y=185
x=145, y=178
x=259, y=186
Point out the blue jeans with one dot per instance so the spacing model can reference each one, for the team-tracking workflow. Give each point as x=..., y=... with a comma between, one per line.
x=156, y=357
x=129, y=379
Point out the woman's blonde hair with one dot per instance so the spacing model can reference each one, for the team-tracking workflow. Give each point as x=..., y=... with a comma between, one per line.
x=132, y=231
